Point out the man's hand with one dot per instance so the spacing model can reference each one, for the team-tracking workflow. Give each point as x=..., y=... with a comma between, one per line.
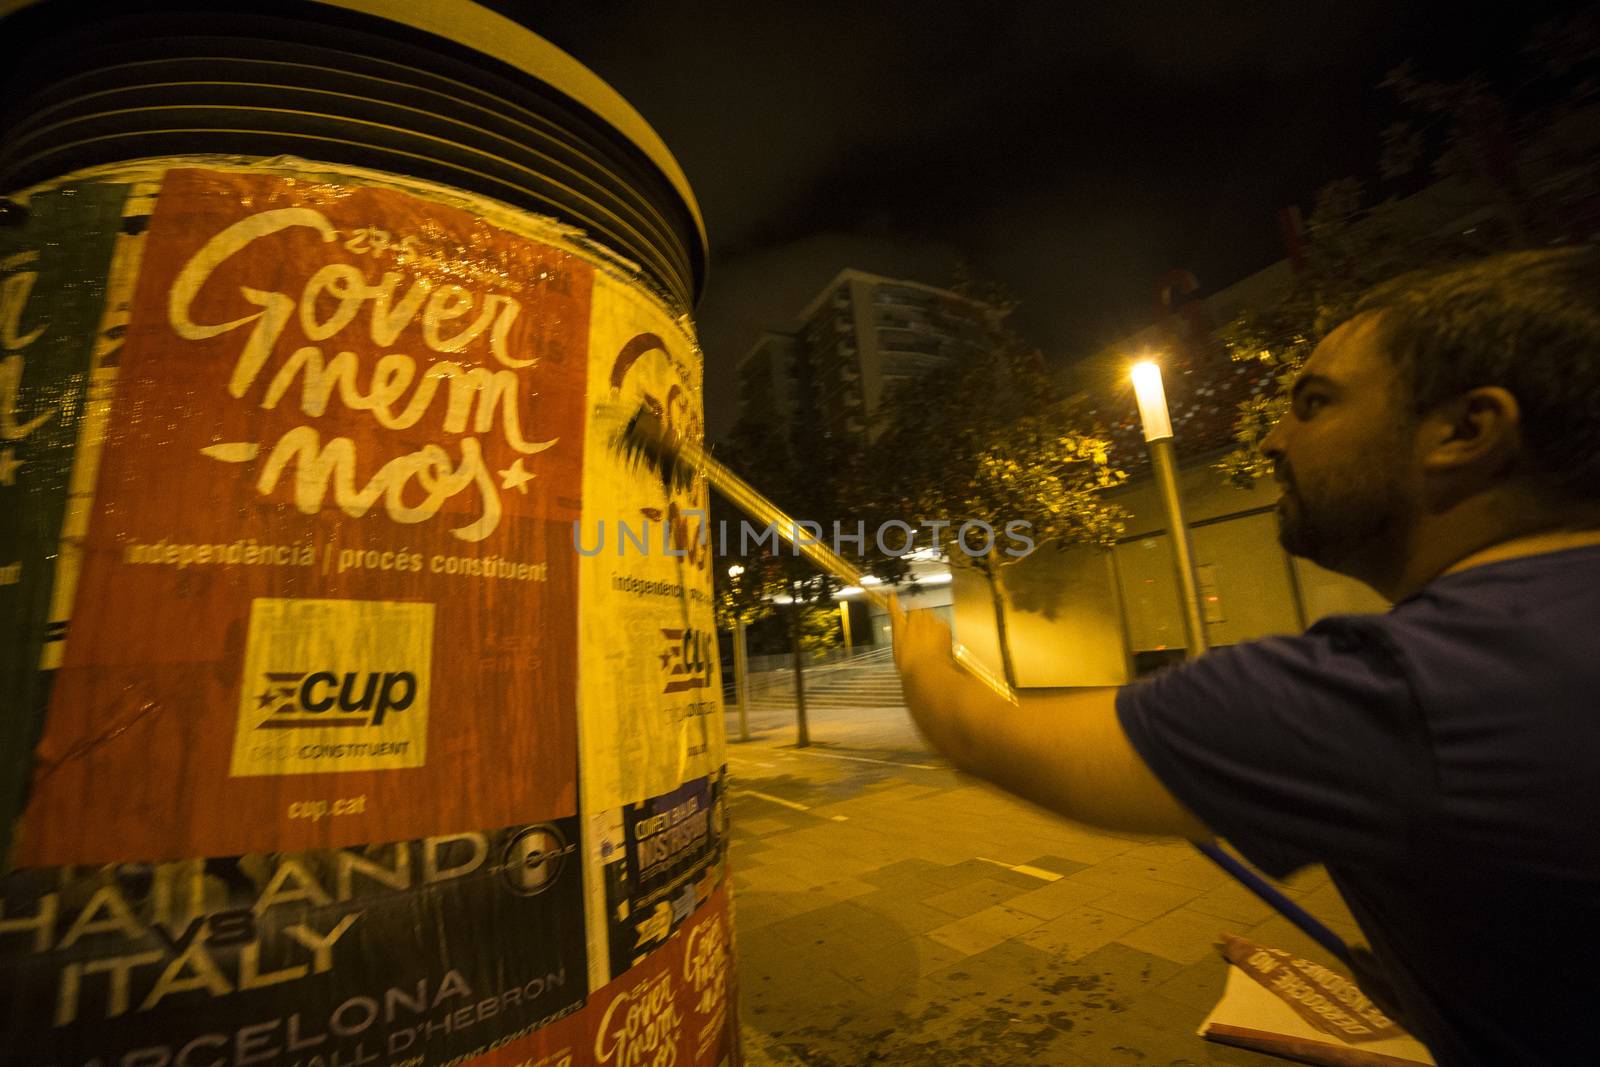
x=1063, y=749
x=921, y=641
x=943, y=699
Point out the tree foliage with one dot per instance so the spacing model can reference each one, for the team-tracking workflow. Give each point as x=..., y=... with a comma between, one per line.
x=820, y=629
x=983, y=438
x=988, y=439
x=1488, y=166
x=779, y=461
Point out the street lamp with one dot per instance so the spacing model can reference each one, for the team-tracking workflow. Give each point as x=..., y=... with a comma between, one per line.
x=741, y=674
x=1163, y=462
x=1158, y=438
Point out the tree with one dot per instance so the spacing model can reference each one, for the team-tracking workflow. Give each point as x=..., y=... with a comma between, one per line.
x=1499, y=167
x=805, y=475
x=782, y=468
x=986, y=441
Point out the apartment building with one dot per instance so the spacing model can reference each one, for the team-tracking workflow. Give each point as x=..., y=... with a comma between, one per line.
x=847, y=350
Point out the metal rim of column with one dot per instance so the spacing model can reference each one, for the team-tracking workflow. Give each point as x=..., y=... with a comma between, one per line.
x=329, y=84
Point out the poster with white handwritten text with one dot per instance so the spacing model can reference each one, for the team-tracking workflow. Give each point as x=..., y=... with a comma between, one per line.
x=328, y=556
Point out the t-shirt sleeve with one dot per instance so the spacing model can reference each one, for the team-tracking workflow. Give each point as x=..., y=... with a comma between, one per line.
x=1297, y=750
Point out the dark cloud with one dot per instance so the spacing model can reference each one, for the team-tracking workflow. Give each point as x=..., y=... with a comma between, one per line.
x=1075, y=152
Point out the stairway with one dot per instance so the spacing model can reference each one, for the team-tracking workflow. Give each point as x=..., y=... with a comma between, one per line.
x=868, y=681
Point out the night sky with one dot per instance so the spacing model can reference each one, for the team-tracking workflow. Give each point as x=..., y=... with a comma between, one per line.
x=1073, y=151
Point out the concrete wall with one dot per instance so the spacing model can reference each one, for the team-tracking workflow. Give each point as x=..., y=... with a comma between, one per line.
x=1083, y=616
x=1062, y=618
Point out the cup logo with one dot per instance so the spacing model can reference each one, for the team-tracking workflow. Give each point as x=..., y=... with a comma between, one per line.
x=333, y=685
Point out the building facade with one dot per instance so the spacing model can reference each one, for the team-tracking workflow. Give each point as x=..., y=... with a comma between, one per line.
x=768, y=377
x=860, y=336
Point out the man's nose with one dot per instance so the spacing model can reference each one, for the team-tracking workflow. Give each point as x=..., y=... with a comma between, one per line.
x=1272, y=444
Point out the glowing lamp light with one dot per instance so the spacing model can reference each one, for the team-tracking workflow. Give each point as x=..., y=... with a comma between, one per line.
x=1152, y=400
x=735, y=570
x=848, y=590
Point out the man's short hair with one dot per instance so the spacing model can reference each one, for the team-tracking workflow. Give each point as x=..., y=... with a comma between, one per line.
x=1528, y=322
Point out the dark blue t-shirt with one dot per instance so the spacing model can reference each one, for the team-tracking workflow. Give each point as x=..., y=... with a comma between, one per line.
x=1443, y=761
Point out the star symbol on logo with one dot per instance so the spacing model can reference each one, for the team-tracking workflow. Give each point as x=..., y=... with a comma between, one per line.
x=8, y=467
x=263, y=699
x=515, y=477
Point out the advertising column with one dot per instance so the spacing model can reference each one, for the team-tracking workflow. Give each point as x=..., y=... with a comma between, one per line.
x=325, y=745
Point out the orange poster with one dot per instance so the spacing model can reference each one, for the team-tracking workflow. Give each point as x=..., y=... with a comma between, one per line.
x=328, y=594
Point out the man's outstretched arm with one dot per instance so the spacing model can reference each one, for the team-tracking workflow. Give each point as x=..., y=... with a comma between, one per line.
x=1065, y=751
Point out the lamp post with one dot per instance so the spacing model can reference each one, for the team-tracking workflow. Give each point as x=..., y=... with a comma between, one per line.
x=801, y=723
x=1158, y=437
x=1157, y=426
x=741, y=673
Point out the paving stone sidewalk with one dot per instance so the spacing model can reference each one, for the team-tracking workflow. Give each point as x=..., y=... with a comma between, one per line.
x=890, y=911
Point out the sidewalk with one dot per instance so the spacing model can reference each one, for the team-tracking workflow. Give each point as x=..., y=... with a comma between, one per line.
x=890, y=911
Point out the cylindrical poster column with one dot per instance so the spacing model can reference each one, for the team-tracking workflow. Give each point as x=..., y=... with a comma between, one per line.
x=355, y=691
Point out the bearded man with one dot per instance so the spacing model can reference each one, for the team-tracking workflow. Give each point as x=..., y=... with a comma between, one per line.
x=1442, y=759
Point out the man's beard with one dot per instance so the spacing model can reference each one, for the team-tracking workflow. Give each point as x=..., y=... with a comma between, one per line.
x=1346, y=524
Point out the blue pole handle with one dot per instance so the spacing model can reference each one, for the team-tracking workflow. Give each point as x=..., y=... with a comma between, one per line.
x=1281, y=904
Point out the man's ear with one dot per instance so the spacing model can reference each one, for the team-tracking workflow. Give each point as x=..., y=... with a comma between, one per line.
x=1481, y=428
